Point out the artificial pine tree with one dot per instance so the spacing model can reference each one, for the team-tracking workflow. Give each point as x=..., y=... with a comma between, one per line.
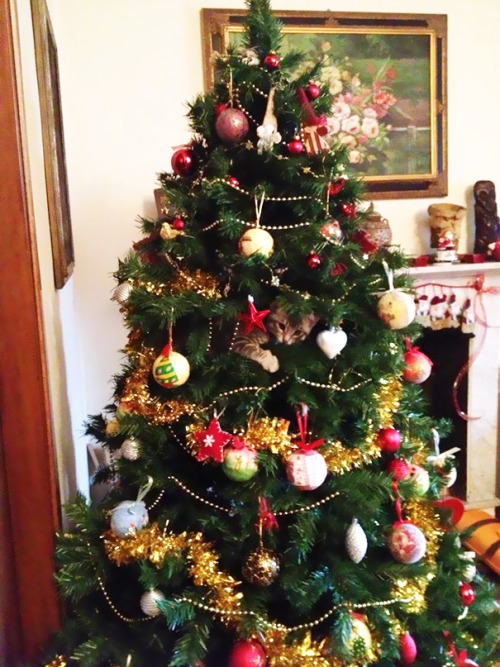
x=272, y=499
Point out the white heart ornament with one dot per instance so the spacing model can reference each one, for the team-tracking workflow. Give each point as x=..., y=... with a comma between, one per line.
x=331, y=341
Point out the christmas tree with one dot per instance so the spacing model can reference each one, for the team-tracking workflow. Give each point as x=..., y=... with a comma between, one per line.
x=272, y=498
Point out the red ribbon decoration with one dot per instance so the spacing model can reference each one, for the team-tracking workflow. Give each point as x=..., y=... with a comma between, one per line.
x=267, y=520
x=302, y=416
x=399, y=507
x=238, y=443
x=460, y=658
x=415, y=349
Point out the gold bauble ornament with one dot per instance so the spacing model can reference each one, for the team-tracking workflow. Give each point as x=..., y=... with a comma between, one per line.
x=170, y=368
x=256, y=241
x=167, y=232
x=261, y=567
x=112, y=428
x=396, y=309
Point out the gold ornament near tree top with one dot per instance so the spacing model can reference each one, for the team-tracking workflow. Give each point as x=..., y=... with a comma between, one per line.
x=261, y=567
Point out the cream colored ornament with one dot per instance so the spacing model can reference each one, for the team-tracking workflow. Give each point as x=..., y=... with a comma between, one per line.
x=112, y=428
x=256, y=241
x=167, y=232
x=356, y=543
x=130, y=449
x=171, y=369
x=396, y=309
x=149, y=602
x=122, y=292
x=360, y=631
x=306, y=470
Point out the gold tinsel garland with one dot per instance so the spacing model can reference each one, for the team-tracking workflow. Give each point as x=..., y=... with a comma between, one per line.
x=200, y=282
x=58, y=661
x=137, y=398
x=154, y=545
x=341, y=459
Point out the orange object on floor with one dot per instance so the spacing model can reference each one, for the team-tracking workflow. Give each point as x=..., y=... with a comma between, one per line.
x=485, y=538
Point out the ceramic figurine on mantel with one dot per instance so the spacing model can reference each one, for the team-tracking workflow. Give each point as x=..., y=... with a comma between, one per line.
x=377, y=228
x=487, y=222
x=445, y=230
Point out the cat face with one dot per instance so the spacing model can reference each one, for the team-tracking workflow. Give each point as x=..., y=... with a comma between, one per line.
x=279, y=325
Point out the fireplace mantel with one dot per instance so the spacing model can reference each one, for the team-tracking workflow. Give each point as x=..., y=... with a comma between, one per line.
x=483, y=460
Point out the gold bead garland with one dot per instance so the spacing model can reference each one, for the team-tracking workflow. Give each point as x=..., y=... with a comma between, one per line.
x=266, y=198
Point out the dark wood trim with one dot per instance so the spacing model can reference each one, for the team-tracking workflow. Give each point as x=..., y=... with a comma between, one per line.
x=25, y=417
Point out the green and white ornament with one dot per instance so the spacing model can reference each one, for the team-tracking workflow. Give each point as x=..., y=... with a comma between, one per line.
x=240, y=461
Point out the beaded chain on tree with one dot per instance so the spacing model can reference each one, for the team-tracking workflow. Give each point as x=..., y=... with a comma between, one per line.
x=276, y=486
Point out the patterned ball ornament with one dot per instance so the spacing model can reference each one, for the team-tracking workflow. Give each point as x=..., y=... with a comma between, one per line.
x=130, y=449
x=396, y=309
x=240, y=463
x=407, y=543
x=261, y=567
x=399, y=469
x=247, y=653
x=356, y=543
x=184, y=162
x=149, y=602
x=418, y=366
x=171, y=369
x=256, y=241
x=128, y=517
x=122, y=293
x=232, y=126
x=360, y=639
x=306, y=470
x=419, y=478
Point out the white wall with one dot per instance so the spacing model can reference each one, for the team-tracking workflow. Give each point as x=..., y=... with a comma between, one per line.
x=127, y=66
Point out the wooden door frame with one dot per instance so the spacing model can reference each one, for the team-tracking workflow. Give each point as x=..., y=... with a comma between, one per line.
x=26, y=438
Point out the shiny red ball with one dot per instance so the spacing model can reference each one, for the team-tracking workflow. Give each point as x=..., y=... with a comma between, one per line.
x=247, y=654
x=234, y=182
x=272, y=60
x=184, y=162
x=336, y=187
x=313, y=91
x=468, y=594
x=178, y=223
x=408, y=649
x=314, y=260
x=399, y=469
x=389, y=439
x=349, y=210
x=295, y=147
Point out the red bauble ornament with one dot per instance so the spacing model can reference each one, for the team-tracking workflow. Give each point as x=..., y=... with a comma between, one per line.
x=313, y=90
x=234, y=182
x=272, y=60
x=468, y=594
x=296, y=146
x=408, y=649
x=418, y=366
x=247, y=653
x=389, y=440
x=314, y=260
x=232, y=126
x=349, y=210
x=184, y=162
x=219, y=108
x=399, y=468
x=178, y=223
x=336, y=187
x=211, y=441
x=338, y=269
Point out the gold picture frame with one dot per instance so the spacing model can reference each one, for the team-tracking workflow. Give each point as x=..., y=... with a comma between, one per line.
x=53, y=144
x=407, y=158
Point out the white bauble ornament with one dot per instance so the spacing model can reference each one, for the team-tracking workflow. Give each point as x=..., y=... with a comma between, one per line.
x=470, y=569
x=360, y=631
x=128, y=517
x=407, y=543
x=420, y=479
x=122, y=292
x=130, y=449
x=396, y=309
x=306, y=470
x=256, y=241
x=149, y=602
x=331, y=341
x=450, y=477
x=356, y=543
x=171, y=369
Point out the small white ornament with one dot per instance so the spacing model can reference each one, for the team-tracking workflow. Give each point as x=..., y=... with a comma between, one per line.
x=331, y=341
x=306, y=470
x=268, y=138
x=149, y=602
x=256, y=241
x=470, y=569
x=122, y=293
x=128, y=517
x=130, y=449
x=356, y=543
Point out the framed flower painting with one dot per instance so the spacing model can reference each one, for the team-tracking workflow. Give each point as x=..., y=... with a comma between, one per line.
x=387, y=73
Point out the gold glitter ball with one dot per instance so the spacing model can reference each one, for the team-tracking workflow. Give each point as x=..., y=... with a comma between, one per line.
x=261, y=567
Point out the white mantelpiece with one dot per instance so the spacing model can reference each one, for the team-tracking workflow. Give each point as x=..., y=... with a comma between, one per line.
x=483, y=460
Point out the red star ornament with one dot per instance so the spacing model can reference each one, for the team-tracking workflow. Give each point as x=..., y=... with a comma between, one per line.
x=212, y=441
x=255, y=318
